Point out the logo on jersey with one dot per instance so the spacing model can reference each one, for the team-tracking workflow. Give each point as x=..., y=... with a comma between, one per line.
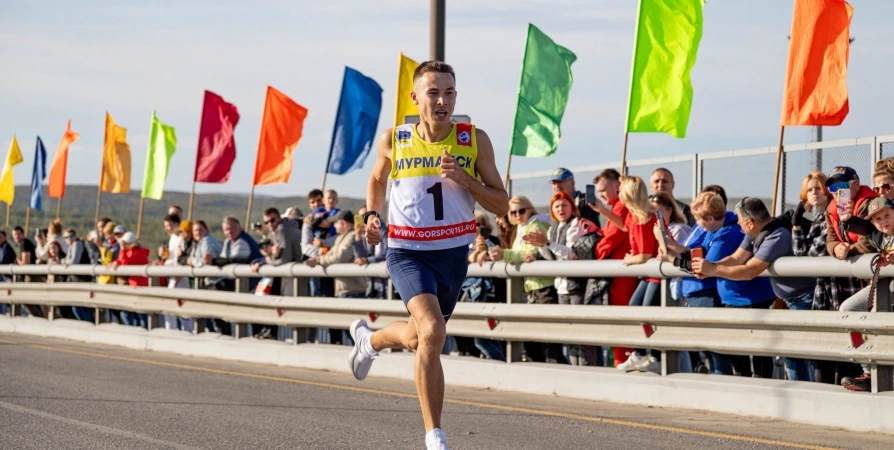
x=404, y=139
x=464, y=137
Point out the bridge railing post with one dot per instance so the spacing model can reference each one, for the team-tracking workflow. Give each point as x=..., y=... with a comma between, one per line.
x=882, y=376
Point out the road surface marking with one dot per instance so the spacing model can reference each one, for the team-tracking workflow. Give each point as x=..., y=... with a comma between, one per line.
x=539, y=412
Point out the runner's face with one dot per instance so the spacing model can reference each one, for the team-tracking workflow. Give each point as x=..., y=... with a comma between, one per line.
x=435, y=95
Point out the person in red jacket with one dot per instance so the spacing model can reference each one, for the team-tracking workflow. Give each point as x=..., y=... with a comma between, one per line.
x=132, y=254
x=615, y=244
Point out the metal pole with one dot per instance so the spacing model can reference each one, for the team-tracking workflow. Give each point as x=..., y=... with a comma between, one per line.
x=140, y=216
x=778, y=168
x=436, y=39
x=58, y=209
x=251, y=199
x=192, y=198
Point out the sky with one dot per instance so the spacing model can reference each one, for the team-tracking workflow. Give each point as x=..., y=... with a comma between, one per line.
x=76, y=60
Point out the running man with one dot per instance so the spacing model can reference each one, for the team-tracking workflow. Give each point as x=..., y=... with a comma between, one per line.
x=438, y=171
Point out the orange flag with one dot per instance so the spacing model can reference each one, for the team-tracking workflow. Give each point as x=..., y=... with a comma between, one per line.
x=815, y=88
x=115, y=159
x=281, y=130
x=56, y=187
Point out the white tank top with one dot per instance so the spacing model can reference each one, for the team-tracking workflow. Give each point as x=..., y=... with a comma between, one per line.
x=427, y=212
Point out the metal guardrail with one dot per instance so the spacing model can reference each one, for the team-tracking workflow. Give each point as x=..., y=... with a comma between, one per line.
x=859, y=267
x=861, y=337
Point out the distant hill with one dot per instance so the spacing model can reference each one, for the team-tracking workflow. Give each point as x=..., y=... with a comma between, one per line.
x=79, y=208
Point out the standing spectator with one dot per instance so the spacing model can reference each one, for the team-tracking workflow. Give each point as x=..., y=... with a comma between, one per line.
x=330, y=201
x=883, y=178
x=206, y=244
x=118, y=231
x=26, y=247
x=315, y=201
x=342, y=252
x=643, y=246
x=239, y=248
x=7, y=254
x=809, y=239
x=168, y=256
x=54, y=233
x=767, y=239
x=615, y=244
x=556, y=245
x=101, y=226
x=663, y=181
x=132, y=254
x=77, y=254
x=505, y=231
x=840, y=243
x=562, y=180
x=41, y=246
x=187, y=244
x=285, y=236
x=294, y=213
x=539, y=290
x=365, y=253
x=93, y=243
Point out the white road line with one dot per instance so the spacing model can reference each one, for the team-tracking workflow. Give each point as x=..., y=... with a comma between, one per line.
x=95, y=427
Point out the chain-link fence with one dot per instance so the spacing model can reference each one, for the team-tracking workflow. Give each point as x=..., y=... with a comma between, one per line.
x=748, y=173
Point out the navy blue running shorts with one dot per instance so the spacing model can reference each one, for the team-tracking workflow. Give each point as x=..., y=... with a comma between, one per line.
x=437, y=272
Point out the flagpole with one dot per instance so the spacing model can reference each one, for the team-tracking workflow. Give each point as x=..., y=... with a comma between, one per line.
x=140, y=216
x=778, y=169
x=192, y=198
x=624, y=154
x=58, y=208
x=508, y=166
x=325, y=174
x=102, y=170
x=27, y=217
x=251, y=199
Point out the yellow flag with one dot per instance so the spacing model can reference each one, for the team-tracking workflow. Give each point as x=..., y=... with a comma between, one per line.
x=115, y=159
x=403, y=103
x=7, y=185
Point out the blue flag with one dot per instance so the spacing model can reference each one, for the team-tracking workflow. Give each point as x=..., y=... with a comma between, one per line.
x=355, y=122
x=38, y=175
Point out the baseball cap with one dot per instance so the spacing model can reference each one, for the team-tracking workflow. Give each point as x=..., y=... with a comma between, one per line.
x=344, y=215
x=561, y=174
x=841, y=174
x=119, y=229
x=129, y=238
x=878, y=205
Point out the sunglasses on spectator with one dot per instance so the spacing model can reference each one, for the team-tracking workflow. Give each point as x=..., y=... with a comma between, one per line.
x=882, y=189
x=840, y=185
x=519, y=211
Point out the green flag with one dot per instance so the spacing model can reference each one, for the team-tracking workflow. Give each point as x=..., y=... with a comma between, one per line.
x=542, y=95
x=667, y=37
x=162, y=144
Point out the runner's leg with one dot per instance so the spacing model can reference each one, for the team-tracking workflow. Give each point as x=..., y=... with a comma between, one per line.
x=431, y=330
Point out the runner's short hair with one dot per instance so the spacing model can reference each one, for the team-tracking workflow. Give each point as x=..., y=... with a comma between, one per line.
x=433, y=66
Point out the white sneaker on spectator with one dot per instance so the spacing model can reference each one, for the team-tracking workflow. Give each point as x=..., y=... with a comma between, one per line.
x=436, y=440
x=362, y=355
x=631, y=363
x=650, y=364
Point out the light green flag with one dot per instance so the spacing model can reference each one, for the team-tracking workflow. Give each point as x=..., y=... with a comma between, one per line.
x=162, y=144
x=542, y=96
x=667, y=37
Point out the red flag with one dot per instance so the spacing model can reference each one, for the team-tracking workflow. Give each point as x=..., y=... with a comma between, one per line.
x=56, y=186
x=815, y=81
x=281, y=130
x=217, y=146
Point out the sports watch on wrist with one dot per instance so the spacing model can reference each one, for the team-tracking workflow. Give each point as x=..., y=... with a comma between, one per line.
x=367, y=215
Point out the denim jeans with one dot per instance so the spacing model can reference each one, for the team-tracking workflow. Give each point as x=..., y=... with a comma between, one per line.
x=4, y=308
x=83, y=313
x=134, y=319
x=491, y=349
x=647, y=293
x=800, y=369
x=720, y=364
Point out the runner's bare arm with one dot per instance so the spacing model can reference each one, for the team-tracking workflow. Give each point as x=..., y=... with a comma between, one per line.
x=489, y=192
x=378, y=179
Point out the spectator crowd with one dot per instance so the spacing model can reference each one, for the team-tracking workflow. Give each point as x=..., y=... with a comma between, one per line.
x=633, y=220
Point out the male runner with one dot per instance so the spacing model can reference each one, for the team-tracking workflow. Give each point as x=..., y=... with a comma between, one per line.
x=438, y=171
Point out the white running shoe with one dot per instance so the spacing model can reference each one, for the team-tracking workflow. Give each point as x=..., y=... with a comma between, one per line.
x=436, y=440
x=632, y=362
x=359, y=360
x=649, y=364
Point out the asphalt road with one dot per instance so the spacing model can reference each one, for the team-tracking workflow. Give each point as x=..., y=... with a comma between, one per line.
x=63, y=395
